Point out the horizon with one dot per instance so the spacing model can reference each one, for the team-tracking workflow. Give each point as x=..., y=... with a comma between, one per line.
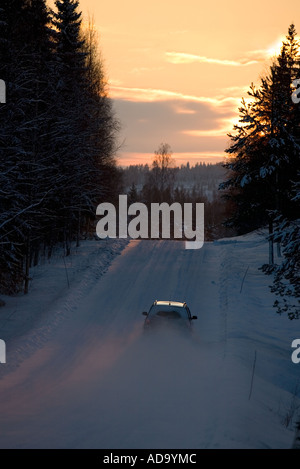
x=147, y=159
x=184, y=164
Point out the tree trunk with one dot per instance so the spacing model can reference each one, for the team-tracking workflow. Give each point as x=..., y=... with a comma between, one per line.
x=67, y=243
x=278, y=249
x=271, y=243
x=50, y=248
x=78, y=229
x=27, y=266
x=36, y=256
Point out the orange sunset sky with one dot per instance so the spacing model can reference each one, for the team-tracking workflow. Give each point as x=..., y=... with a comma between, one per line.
x=177, y=69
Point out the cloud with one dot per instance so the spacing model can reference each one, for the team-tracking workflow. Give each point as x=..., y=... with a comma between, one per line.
x=269, y=52
x=225, y=125
x=235, y=91
x=192, y=125
x=260, y=54
x=184, y=58
x=152, y=94
x=207, y=133
x=139, y=70
x=114, y=83
x=183, y=110
x=188, y=126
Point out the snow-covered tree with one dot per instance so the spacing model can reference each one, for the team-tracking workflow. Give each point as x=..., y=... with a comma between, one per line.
x=26, y=52
x=57, y=134
x=286, y=283
x=264, y=153
x=85, y=122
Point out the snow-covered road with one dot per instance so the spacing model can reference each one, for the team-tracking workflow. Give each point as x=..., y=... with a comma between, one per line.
x=100, y=383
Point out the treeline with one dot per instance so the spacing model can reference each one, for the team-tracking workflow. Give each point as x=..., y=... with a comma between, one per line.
x=57, y=134
x=165, y=182
x=264, y=165
x=208, y=175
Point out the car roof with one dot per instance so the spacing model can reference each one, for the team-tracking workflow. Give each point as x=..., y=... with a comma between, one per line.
x=170, y=303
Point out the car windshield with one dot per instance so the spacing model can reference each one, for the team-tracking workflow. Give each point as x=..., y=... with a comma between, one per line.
x=168, y=311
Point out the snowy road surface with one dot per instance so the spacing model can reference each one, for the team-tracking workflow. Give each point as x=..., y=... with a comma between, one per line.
x=98, y=382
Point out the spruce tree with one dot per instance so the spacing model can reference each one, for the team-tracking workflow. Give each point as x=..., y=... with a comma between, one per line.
x=68, y=144
x=57, y=134
x=264, y=150
x=85, y=121
x=264, y=170
x=23, y=67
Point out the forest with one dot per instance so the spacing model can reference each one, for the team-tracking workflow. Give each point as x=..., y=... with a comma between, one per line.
x=57, y=134
x=163, y=181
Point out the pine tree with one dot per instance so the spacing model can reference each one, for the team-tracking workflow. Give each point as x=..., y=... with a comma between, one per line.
x=85, y=121
x=23, y=67
x=37, y=66
x=132, y=195
x=68, y=143
x=264, y=149
x=57, y=134
x=265, y=168
x=103, y=177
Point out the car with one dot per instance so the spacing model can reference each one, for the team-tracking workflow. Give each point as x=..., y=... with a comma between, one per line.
x=169, y=314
